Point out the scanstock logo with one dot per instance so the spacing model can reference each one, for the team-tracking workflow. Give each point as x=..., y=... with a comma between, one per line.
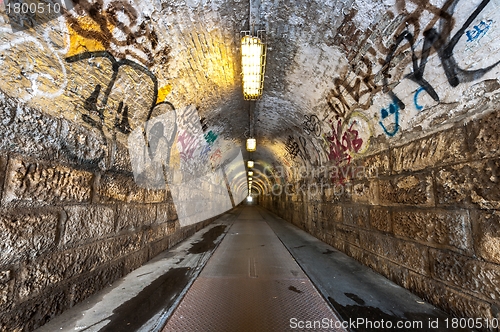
x=171, y=152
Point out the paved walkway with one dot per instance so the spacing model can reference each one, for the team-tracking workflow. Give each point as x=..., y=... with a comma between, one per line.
x=252, y=283
x=238, y=274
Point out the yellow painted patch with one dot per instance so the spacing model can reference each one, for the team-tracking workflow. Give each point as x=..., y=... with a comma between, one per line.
x=163, y=92
x=80, y=44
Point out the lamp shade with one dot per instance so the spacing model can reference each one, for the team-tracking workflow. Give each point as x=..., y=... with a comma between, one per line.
x=253, y=66
x=251, y=144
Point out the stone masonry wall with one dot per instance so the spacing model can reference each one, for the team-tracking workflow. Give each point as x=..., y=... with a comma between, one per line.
x=424, y=214
x=68, y=230
x=74, y=90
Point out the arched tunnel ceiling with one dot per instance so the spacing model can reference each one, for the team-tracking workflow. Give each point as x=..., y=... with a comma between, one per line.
x=343, y=78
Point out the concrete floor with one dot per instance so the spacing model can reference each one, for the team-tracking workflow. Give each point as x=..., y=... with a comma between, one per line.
x=251, y=271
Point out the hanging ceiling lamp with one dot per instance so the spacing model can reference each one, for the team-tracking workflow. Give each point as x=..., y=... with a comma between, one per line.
x=253, y=64
x=251, y=144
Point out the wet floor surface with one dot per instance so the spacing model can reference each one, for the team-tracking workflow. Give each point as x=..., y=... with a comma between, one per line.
x=238, y=274
x=251, y=283
x=364, y=299
x=143, y=300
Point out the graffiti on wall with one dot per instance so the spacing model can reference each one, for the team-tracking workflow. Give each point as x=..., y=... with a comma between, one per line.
x=421, y=36
x=355, y=92
x=116, y=27
x=109, y=43
x=390, y=119
x=312, y=125
x=441, y=40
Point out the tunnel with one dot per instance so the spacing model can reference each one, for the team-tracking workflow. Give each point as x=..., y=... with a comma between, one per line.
x=126, y=175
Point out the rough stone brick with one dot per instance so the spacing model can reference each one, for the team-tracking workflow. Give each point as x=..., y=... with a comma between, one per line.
x=450, y=228
x=483, y=137
x=154, y=196
x=125, y=244
x=335, y=212
x=453, y=184
x=84, y=223
x=36, y=275
x=26, y=235
x=339, y=244
x=347, y=233
x=32, y=314
x=93, y=282
x=411, y=189
x=481, y=278
x=6, y=290
x=165, y=213
x=82, y=145
x=484, y=178
x=376, y=165
x=365, y=192
x=329, y=215
x=45, y=184
x=135, y=260
x=411, y=255
x=391, y=271
x=487, y=235
x=438, y=149
x=162, y=245
x=380, y=219
x=3, y=170
x=354, y=251
x=449, y=299
x=121, y=160
x=113, y=187
x=157, y=232
x=27, y=131
x=132, y=217
x=338, y=192
x=321, y=212
x=356, y=216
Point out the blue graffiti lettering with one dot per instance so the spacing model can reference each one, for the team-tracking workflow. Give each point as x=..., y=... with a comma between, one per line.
x=393, y=110
x=479, y=31
x=415, y=99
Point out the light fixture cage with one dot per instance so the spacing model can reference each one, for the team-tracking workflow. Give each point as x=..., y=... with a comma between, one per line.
x=251, y=144
x=253, y=63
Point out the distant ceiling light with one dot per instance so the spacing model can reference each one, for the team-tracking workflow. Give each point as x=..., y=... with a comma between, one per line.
x=250, y=163
x=251, y=144
x=250, y=173
x=253, y=64
x=250, y=179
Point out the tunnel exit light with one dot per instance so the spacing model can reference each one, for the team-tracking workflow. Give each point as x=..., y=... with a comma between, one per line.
x=251, y=144
x=253, y=64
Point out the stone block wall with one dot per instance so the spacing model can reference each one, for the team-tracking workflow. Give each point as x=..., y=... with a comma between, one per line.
x=424, y=214
x=81, y=95
x=69, y=229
